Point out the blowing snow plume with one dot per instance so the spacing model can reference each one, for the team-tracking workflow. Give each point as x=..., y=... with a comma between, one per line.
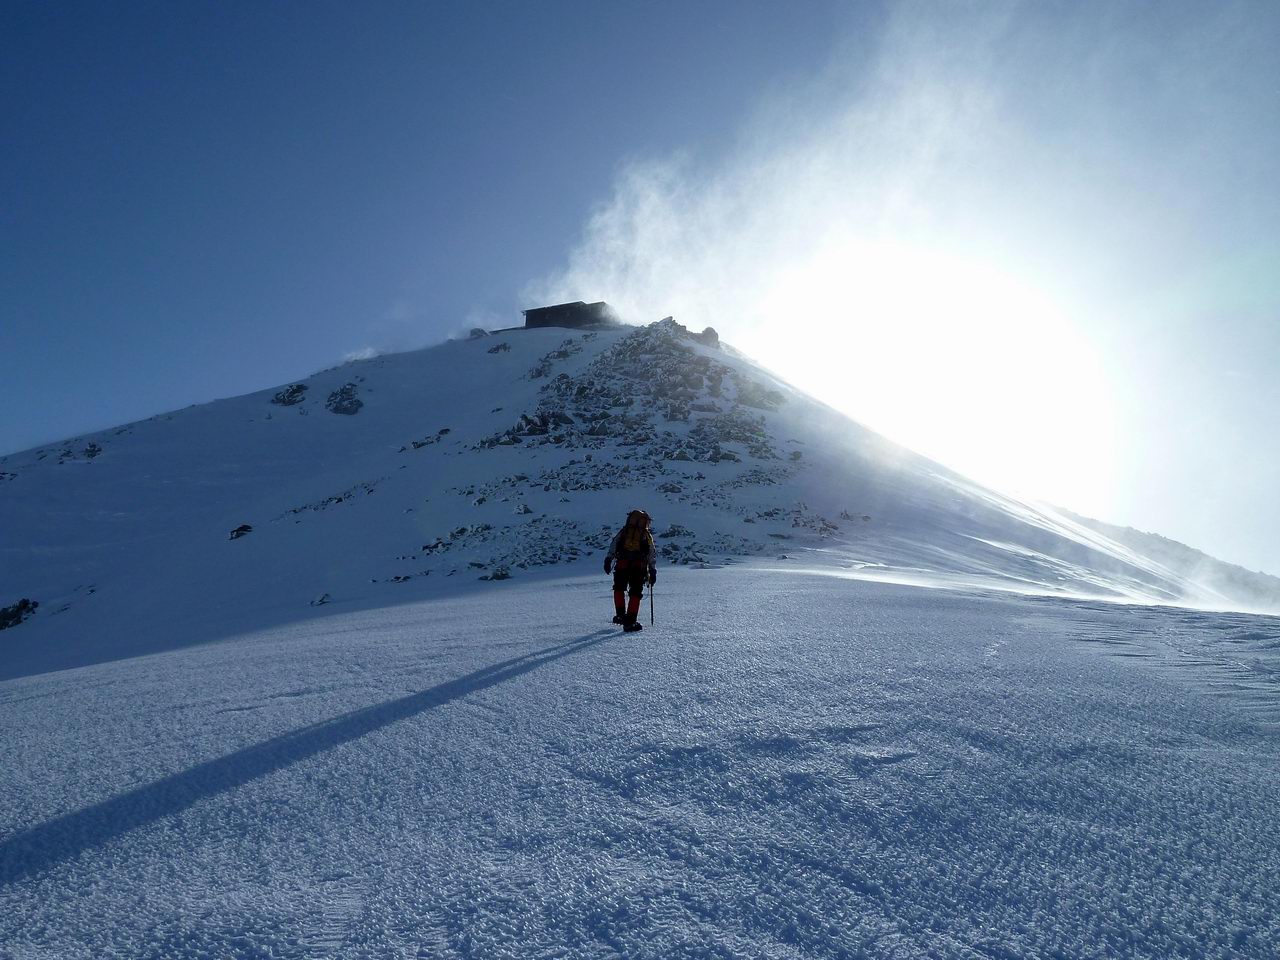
x=926, y=237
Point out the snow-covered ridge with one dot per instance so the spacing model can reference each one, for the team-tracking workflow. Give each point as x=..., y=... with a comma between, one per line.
x=1247, y=587
x=388, y=479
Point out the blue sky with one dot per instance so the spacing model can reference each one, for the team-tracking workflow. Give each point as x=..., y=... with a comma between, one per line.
x=1043, y=236
x=204, y=199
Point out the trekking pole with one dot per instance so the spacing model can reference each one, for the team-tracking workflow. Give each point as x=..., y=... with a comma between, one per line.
x=651, y=586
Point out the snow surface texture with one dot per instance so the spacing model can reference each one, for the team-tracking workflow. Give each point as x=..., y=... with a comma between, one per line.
x=789, y=765
x=325, y=671
x=375, y=482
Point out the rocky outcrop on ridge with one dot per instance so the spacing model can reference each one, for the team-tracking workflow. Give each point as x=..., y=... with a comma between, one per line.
x=290, y=395
x=344, y=400
x=637, y=393
x=14, y=614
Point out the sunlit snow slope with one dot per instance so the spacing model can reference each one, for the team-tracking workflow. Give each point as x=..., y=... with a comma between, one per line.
x=786, y=767
x=387, y=480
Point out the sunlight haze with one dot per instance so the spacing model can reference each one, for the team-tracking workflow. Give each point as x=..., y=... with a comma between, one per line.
x=969, y=339
x=1029, y=241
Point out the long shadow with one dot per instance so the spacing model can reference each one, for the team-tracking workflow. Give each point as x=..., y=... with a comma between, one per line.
x=66, y=837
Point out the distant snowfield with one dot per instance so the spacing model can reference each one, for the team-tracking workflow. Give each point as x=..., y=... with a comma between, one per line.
x=787, y=765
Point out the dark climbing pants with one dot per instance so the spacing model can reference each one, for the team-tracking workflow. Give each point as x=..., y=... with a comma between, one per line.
x=632, y=581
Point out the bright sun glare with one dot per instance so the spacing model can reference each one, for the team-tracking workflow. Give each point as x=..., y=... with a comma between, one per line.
x=949, y=356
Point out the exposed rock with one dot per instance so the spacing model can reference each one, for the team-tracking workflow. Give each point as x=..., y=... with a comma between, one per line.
x=736, y=426
x=499, y=348
x=753, y=394
x=541, y=424
x=477, y=332
x=802, y=517
x=88, y=452
x=365, y=487
x=652, y=371
x=344, y=400
x=294, y=393
x=540, y=541
x=320, y=600
x=240, y=531
x=709, y=337
x=14, y=614
x=566, y=349
x=427, y=441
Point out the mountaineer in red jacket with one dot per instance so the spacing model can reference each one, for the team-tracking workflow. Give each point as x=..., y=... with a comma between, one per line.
x=631, y=557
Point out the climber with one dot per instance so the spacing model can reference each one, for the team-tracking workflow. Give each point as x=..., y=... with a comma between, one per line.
x=631, y=556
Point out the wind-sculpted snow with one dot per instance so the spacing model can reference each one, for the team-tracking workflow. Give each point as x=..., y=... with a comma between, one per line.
x=1247, y=588
x=1232, y=656
x=786, y=766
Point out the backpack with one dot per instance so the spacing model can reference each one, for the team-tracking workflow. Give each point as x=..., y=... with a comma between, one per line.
x=634, y=542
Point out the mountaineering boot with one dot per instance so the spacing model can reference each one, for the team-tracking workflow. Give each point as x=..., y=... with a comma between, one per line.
x=619, y=618
x=631, y=627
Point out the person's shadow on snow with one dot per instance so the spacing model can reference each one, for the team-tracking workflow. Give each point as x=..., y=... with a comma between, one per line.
x=66, y=837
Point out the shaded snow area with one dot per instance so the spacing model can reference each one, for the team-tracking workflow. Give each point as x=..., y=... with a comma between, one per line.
x=787, y=765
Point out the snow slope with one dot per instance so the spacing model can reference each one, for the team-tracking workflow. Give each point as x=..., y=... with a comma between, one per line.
x=394, y=479
x=454, y=755
x=788, y=765
x=1249, y=589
